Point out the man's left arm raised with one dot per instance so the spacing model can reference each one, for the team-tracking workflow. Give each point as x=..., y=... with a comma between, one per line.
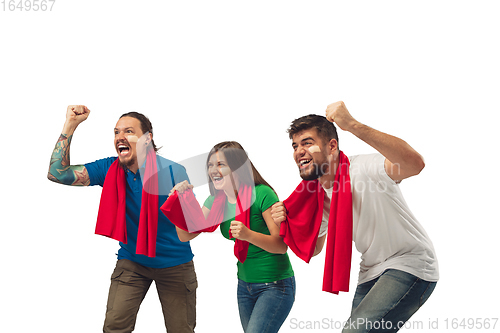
x=402, y=161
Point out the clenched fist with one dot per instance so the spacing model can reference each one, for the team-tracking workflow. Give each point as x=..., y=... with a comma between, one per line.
x=278, y=213
x=77, y=114
x=181, y=187
x=337, y=113
x=239, y=231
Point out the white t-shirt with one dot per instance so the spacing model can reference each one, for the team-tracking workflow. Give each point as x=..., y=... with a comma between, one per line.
x=385, y=231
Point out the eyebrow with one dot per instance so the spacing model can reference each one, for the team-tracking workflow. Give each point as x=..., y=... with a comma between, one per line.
x=305, y=139
x=217, y=163
x=116, y=129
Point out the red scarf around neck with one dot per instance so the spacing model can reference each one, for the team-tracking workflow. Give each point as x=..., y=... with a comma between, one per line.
x=304, y=214
x=183, y=210
x=111, y=220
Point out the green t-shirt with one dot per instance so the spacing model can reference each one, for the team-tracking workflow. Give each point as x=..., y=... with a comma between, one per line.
x=260, y=265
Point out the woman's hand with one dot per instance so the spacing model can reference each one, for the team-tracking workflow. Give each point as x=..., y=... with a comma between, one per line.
x=181, y=187
x=240, y=231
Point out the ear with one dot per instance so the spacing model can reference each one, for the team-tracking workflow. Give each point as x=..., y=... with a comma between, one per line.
x=148, y=137
x=333, y=146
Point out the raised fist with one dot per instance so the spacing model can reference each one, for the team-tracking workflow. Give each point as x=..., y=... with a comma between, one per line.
x=337, y=113
x=77, y=114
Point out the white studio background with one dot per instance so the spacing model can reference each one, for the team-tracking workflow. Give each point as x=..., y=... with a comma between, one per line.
x=210, y=71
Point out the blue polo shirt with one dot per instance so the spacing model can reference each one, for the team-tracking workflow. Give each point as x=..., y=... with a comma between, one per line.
x=170, y=251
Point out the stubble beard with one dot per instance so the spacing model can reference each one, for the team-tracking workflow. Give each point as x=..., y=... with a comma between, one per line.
x=126, y=165
x=316, y=172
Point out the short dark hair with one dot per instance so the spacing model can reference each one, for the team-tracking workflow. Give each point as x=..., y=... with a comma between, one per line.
x=326, y=130
x=146, y=125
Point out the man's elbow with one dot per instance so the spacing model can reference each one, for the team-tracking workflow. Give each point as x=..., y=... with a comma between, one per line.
x=317, y=251
x=52, y=178
x=419, y=165
x=185, y=236
x=422, y=165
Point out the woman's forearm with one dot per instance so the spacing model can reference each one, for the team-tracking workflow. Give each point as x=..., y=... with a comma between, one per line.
x=269, y=243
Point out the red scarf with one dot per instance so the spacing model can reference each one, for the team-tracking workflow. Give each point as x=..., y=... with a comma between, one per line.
x=184, y=211
x=111, y=220
x=304, y=214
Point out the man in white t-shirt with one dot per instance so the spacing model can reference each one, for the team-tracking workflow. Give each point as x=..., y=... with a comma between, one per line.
x=399, y=268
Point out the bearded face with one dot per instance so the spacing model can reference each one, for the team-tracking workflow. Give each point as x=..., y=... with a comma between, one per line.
x=310, y=155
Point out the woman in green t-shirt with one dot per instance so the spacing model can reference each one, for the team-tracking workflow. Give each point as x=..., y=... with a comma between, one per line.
x=266, y=282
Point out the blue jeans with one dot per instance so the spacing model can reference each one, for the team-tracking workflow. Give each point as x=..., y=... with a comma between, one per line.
x=265, y=306
x=387, y=302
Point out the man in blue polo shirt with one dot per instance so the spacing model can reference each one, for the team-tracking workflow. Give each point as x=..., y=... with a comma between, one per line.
x=172, y=267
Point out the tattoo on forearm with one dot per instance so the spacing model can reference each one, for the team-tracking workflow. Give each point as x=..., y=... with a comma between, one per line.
x=63, y=137
x=54, y=179
x=62, y=149
x=60, y=170
x=82, y=177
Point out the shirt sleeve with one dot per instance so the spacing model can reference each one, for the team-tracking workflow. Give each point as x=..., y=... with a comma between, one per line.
x=265, y=197
x=98, y=170
x=379, y=167
x=209, y=202
x=371, y=166
x=170, y=174
x=180, y=174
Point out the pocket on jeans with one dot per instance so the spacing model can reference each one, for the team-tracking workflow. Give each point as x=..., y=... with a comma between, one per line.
x=121, y=275
x=116, y=273
x=284, y=286
x=191, y=286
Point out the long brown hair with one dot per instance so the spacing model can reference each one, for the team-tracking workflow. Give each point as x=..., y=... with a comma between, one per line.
x=236, y=158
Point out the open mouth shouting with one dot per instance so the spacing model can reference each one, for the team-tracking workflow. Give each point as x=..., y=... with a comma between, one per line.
x=218, y=181
x=123, y=149
x=304, y=163
x=308, y=169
